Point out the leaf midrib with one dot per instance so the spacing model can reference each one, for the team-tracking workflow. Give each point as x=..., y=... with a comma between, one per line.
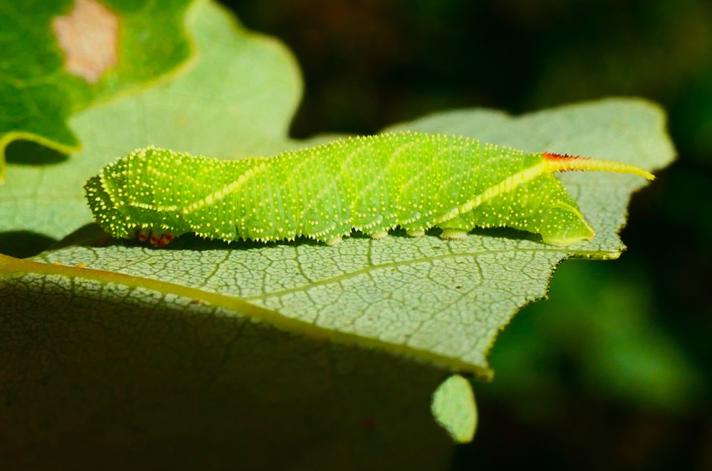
x=602, y=254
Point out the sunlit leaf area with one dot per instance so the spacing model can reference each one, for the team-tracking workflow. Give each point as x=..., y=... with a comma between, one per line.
x=484, y=348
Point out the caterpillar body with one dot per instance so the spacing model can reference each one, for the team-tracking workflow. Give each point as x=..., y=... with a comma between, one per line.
x=373, y=184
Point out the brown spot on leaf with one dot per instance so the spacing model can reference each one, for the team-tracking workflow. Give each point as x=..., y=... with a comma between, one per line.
x=88, y=37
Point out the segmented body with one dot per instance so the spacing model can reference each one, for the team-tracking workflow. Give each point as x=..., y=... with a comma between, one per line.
x=372, y=184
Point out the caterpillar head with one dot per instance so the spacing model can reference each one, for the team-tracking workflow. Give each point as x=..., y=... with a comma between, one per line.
x=106, y=212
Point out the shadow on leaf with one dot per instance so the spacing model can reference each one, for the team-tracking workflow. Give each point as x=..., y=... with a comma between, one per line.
x=32, y=153
x=91, y=235
x=23, y=244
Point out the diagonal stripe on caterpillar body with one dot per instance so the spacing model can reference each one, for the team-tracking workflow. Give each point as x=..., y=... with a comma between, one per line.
x=371, y=184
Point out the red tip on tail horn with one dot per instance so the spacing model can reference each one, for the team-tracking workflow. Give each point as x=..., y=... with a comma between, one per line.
x=554, y=156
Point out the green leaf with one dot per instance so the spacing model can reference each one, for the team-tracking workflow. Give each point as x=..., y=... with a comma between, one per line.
x=268, y=338
x=47, y=72
x=443, y=302
x=147, y=374
x=124, y=373
x=454, y=408
x=237, y=99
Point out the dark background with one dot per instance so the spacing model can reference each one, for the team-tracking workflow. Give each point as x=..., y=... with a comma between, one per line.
x=614, y=370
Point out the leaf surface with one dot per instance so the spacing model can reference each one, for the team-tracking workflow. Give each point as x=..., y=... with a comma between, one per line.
x=200, y=317
x=61, y=56
x=441, y=301
x=101, y=370
x=237, y=98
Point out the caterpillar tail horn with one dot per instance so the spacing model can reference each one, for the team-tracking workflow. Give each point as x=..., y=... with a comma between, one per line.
x=565, y=163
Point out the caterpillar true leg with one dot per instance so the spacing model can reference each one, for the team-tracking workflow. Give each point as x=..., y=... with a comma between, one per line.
x=162, y=240
x=143, y=235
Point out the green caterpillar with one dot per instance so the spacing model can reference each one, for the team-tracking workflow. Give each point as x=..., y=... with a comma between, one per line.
x=372, y=184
